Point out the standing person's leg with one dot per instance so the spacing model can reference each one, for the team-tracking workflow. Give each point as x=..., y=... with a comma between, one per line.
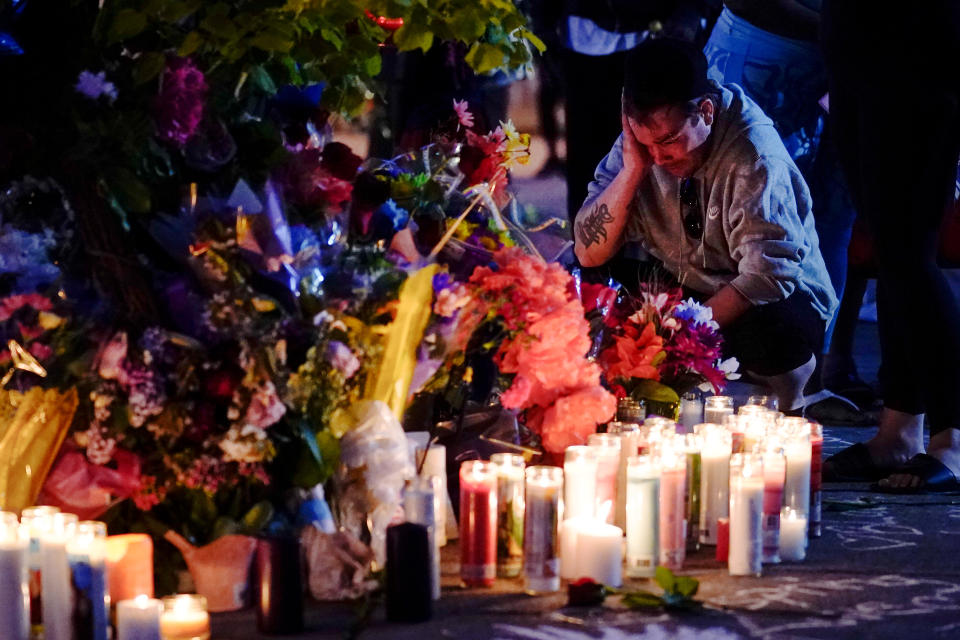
x=593, y=86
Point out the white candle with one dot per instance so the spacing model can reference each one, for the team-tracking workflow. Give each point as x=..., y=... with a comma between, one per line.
x=774, y=469
x=643, y=516
x=717, y=408
x=606, y=447
x=185, y=617
x=714, y=482
x=691, y=411
x=746, y=515
x=793, y=535
x=541, y=553
x=600, y=553
x=435, y=465
x=418, y=506
x=86, y=552
x=14, y=590
x=139, y=619
x=629, y=434
x=35, y=520
x=569, y=528
x=579, y=482
x=55, y=569
x=796, y=488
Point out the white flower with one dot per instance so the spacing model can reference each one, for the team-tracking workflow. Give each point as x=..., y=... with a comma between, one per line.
x=94, y=85
x=729, y=367
x=696, y=313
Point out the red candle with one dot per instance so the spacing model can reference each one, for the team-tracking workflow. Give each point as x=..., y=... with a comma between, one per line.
x=478, y=523
x=723, y=539
x=816, y=478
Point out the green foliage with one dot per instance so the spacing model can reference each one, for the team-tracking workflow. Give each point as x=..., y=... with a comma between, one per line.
x=678, y=593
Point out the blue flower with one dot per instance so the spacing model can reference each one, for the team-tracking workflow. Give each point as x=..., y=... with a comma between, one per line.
x=94, y=85
x=398, y=216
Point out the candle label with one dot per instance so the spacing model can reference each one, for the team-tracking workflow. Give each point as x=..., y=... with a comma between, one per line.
x=89, y=585
x=693, y=501
x=816, y=513
x=481, y=572
x=542, y=549
x=771, y=537
x=36, y=601
x=510, y=532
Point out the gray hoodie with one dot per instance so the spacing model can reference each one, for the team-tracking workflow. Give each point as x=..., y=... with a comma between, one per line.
x=759, y=234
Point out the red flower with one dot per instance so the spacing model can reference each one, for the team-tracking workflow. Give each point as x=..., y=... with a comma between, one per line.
x=635, y=353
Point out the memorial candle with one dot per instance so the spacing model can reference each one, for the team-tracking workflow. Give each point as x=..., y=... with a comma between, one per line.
x=714, y=482
x=793, y=535
x=746, y=515
x=600, y=553
x=14, y=588
x=418, y=506
x=579, y=482
x=606, y=448
x=55, y=576
x=735, y=426
x=435, y=465
x=510, y=480
x=478, y=523
x=139, y=619
x=35, y=520
x=86, y=552
x=816, y=479
x=796, y=489
x=673, y=480
x=130, y=566
x=569, y=528
x=717, y=408
x=629, y=434
x=643, y=516
x=541, y=550
x=693, y=445
x=774, y=472
x=691, y=411
x=185, y=617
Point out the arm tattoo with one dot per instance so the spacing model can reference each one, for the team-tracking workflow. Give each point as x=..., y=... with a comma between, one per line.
x=592, y=229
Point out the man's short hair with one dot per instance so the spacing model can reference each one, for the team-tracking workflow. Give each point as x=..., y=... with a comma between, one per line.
x=663, y=72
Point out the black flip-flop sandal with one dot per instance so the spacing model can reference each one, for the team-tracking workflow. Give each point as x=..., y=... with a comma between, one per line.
x=853, y=464
x=935, y=477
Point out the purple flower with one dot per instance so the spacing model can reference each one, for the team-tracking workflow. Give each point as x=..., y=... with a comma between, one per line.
x=180, y=103
x=94, y=85
x=342, y=359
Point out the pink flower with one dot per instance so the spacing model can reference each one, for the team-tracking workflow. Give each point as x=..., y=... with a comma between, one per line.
x=574, y=417
x=451, y=300
x=179, y=106
x=265, y=407
x=40, y=351
x=342, y=358
x=464, y=117
x=112, y=358
x=11, y=304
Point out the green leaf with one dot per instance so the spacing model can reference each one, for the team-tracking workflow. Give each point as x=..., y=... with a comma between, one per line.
x=132, y=194
x=126, y=24
x=641, y=600
x=148, y=67
x=333, y=38
x=372, y=65
x=413, y=35
x=190, y=44
x=665, y=578
x=512, y=22
x=176, y=11
x=272, y=42
x=687, y=586
x=219, y=25
x=257, y=518
x=467, y=25
x=484, y=57
x=653, y=390
x=262, y=80
x=533, y=39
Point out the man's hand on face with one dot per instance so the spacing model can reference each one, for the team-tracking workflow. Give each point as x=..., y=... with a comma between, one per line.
x=636, y=158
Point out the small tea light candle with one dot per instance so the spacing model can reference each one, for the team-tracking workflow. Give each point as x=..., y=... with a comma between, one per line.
x=793, y=535
x=139, y=619
x=185, y=617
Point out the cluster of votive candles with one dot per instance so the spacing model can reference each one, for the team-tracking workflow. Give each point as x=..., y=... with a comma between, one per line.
x=643, y=494
x=59, y=575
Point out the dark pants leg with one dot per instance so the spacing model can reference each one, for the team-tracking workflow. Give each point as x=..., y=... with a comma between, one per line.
x=893, y=72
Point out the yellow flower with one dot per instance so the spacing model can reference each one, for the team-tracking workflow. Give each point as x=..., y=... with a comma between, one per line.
x=49, y=320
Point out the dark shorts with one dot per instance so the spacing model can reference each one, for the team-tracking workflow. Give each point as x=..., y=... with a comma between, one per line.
x=775, y=338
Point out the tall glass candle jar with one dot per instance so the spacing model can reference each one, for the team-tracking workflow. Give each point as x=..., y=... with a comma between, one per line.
x=14, y=588
x=432, y=463
x=796, y=489
x=643, y=516
x=629, y=434
x=691, y=411
x=541, y=543
x=774, y=473
x=673, y=492
x=816, y=479
x=693, y=444
x=579, y=482
x=746, y=515
x=55, y=575
x=714, y=482
x=717, y=408
x=139, y=618
x=86, y=552
x=419, y=507
x=478, y=523
x=510, y=478
x=35, y=520
x=606, y=447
